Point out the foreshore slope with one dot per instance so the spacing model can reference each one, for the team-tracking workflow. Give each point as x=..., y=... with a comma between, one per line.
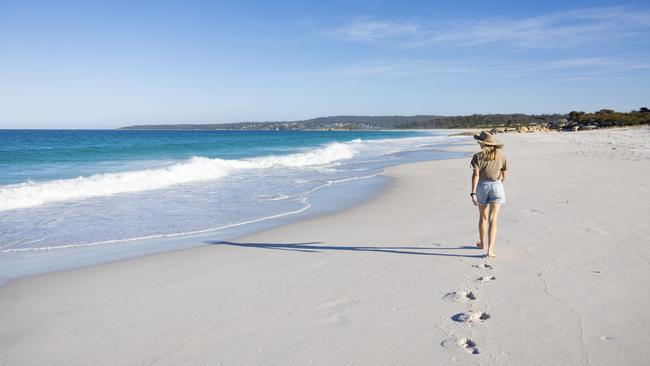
x=384, y=283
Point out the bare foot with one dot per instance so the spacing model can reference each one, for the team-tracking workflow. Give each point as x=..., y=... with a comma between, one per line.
x=479, y=244
x=491, y=255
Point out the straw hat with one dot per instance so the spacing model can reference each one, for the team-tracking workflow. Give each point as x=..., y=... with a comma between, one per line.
x=487, y=138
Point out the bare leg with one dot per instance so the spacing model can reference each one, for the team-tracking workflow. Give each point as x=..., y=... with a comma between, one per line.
x=482, y=226
x=492, y=219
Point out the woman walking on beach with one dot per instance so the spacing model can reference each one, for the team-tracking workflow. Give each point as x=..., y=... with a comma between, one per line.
x=489, y=172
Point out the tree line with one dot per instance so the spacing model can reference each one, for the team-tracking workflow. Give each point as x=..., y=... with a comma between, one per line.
x=610, y=118
x=601, y=118
x=483, y=120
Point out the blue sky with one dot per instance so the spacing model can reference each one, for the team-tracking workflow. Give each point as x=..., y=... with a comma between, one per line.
x=104, y=64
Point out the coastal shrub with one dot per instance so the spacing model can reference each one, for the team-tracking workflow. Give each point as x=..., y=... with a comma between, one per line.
x=610, y=118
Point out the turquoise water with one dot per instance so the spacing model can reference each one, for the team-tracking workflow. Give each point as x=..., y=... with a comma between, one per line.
x=66, y=190
x=40, y=155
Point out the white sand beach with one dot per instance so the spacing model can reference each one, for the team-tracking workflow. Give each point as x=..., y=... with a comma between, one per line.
x=374, y=284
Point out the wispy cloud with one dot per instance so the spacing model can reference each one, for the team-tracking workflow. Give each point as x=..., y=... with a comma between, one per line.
x=613, y=64
x=554, y=30
x=453, y=69
x=369, y=30
x=406, y=68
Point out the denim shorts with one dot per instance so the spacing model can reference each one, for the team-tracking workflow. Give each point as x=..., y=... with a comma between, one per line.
x=489, y=191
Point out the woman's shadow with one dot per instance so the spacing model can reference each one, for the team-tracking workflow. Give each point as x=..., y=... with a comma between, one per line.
x=315, y=247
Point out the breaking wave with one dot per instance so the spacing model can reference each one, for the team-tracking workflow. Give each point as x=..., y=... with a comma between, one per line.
x=196, y=169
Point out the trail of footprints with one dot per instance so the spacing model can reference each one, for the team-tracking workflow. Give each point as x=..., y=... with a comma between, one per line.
x=483, y=266
x=486, y=278
x=470, y=316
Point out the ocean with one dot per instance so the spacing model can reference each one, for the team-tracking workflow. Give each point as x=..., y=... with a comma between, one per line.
x=62, y=190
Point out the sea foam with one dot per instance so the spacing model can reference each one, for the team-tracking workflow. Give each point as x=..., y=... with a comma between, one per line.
x=196, y=169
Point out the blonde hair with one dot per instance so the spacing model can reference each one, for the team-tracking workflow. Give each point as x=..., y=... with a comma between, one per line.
x=489, y=152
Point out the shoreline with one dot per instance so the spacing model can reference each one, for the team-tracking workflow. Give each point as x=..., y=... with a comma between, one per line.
x=381, y=282
x=116, y=251
x=327, y=198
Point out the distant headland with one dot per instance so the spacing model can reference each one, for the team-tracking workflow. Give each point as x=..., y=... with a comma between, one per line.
x=523, y=122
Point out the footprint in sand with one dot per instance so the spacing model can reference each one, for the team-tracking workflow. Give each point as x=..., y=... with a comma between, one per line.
x=483, y=266
x=471, y=317
x=486, y=279
x=459, y=296
x=465, y=343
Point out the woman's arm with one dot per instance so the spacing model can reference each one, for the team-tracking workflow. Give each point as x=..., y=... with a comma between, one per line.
x=474, y=185
x=504, y=173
